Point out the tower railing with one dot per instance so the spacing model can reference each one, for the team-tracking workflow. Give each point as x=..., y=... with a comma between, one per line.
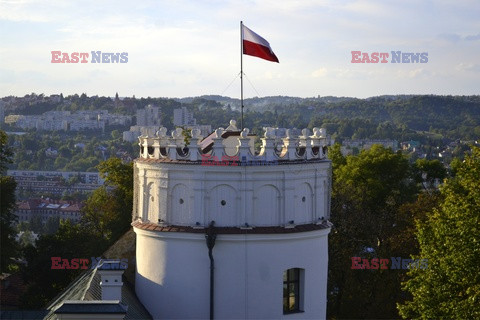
x=276, y=145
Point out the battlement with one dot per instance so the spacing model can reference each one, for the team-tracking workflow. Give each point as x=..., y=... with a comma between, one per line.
x=234, y=146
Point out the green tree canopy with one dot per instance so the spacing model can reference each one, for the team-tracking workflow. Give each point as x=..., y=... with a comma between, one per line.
x=449, y=288
x=6, y=152
x=368, y=192
x=9, y=248
x=107, y=216
x=70, y=241
x=428, y=171
x=108, y=210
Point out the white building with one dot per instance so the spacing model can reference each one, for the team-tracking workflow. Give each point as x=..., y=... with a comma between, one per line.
x=53, y=181
x=65, y=120
x=115, y=119
x=148, y=120
x=150, y=116
x=48, y=208
x=225, y=233
x=182, y=117
x=137, y=131
x=84, y=124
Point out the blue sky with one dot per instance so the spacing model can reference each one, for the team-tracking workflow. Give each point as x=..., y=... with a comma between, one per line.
x=190, y=48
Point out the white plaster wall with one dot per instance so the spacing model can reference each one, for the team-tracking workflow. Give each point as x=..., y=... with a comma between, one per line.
x=257, y=195
x=172, y=278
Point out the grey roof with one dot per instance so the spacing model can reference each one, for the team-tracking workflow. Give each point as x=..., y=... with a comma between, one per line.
x=87, y=288
x=90, y=307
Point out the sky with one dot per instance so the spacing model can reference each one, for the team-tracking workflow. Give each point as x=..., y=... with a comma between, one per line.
x=191, y=48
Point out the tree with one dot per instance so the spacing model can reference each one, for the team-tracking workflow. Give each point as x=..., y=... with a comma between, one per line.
x=107, y=216
x=43, y=282
x=36, y=224
x=368, y=191
x=6, y=152
x=335, y=154
x=7, y=217
x=449, y=288
x=8, y=244
x=52, y=225
x=109, y=209
x=65, y=152
x=27, y=238
x=429, y=171
x=116, y=135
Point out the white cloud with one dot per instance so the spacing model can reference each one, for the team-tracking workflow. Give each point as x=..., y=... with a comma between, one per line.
x=183, y=48
x=472, y=67
x=322, y=72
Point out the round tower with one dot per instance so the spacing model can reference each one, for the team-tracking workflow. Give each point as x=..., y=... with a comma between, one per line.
x=225, y=233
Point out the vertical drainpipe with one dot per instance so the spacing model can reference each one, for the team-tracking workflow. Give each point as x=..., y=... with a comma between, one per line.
x=210, y=237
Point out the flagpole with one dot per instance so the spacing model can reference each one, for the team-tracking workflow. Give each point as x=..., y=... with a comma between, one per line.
x=241, y=71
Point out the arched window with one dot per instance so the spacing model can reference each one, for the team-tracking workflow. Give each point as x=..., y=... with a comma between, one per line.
x=293, y=290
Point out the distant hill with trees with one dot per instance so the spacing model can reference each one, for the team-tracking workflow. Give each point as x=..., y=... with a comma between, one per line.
x=432, y=120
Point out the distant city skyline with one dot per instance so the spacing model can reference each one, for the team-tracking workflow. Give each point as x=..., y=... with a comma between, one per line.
x=186, y=48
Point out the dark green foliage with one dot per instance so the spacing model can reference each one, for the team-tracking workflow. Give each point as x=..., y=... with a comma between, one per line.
x=449, y=239
x=368, y=192
x=31, y=149
x=107, y=216
x=70, y=241
x=429, y=171
x=8, y=246
x=428, y=119
x=6, y=152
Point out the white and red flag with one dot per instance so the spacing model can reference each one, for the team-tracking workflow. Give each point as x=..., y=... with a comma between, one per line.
x=254, y=45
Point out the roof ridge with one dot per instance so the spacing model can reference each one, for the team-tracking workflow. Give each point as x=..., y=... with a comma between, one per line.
x=87, y=287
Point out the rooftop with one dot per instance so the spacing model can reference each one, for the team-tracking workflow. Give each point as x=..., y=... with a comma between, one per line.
x=234, y=146
x=86, y=290
x=48, y=203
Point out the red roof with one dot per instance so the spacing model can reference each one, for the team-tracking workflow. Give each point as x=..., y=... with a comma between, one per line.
x=61, y=205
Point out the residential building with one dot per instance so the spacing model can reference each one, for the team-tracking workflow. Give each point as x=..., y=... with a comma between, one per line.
x=148, y=121
x=149, y=116
x=48, y=208
x=56, y=182
x=182, y=117
x=137, y=131
x=67, y=121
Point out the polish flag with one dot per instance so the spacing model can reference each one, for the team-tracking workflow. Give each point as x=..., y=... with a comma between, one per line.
x=254, y=45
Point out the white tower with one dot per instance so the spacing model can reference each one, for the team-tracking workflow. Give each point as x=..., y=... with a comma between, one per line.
x=268, y=244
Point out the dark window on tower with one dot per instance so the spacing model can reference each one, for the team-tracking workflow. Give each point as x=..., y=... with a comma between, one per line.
x=292, y=290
